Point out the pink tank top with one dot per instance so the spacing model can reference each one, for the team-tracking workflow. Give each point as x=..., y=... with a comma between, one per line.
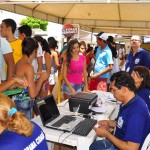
x=75, y=70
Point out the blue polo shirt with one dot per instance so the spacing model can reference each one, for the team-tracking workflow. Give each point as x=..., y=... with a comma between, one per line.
x=12, y=141
x=133, y=122
x=145, y=95
x=141, y=58
x=103, y=59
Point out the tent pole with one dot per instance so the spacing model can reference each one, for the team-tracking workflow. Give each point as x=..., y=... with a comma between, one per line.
x=92, y=36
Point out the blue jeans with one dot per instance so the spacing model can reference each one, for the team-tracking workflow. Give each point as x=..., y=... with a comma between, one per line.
x=76, y=87
x=102, y=145
x=25, y=105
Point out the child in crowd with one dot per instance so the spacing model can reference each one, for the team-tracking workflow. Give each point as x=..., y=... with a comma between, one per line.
x=16, y=131
x=74, y=66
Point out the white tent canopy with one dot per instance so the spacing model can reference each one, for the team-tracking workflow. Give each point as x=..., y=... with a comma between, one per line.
x=112, y=16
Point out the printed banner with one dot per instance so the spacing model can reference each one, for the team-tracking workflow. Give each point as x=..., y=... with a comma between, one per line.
x=70, y=30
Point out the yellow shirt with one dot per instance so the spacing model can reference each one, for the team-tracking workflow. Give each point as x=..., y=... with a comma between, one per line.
x=17, y=49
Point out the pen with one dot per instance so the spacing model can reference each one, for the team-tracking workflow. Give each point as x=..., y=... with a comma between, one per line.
x=77, y=110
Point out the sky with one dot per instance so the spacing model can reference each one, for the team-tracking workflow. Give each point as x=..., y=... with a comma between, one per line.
x=53, y=29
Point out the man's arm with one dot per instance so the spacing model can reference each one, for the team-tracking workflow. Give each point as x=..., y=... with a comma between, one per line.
x=10, y=65
x=121, y=145
x=108, y=69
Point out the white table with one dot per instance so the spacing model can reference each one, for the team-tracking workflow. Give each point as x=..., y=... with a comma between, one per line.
x=73, y=140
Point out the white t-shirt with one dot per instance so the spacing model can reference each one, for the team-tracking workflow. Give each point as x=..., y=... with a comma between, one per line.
x=121, y=52
x=39, y=54
x=5, y=48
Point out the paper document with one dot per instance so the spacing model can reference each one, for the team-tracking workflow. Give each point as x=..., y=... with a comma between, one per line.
x=100, y=110
x=104, y=96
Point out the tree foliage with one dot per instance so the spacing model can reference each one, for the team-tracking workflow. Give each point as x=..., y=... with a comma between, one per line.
x=34, y=23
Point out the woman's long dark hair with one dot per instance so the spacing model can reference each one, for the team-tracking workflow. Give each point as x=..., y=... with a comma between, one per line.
x=69, y=51
x=44, y=43
x=52, y=43
x=145, y=74
x=28, y=46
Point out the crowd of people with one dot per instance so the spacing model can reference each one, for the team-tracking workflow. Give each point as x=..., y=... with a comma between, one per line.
x=32, y=63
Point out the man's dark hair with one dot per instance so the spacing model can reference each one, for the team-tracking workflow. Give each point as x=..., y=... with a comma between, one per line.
x=122, y=78
x=26, y=30
x=10, y=23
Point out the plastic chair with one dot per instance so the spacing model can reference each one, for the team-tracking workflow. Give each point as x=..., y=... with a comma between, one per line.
x=146, y=144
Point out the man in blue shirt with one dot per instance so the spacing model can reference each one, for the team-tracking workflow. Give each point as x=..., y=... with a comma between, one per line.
x=103, y=64
x=132, y=124
x=137, y=56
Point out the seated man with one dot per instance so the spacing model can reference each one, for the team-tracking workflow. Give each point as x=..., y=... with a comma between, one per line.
x=132, y=124
x=16, y=131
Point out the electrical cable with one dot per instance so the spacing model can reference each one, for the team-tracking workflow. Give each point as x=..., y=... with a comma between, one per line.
x=60, y=135
x=65, y=138
x=64, y=104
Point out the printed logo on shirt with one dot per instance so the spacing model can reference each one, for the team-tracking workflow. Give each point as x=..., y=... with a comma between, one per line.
x=76, y=71
x=120, y=122
x=128, y=69
x=137, y=61
x=36, y=142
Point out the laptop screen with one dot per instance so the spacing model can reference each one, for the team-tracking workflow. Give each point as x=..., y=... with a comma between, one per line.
x=48, y=109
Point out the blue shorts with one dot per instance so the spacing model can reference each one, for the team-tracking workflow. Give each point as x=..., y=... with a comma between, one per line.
x=76, y=87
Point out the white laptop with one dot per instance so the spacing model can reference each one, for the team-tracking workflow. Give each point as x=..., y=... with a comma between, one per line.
x=51, y=117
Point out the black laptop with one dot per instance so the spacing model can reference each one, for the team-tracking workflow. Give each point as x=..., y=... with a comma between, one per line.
x=51, y=117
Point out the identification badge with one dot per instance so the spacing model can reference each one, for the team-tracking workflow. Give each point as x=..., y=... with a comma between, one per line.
x=120, y=122
x=128, y=69
x=137, y=61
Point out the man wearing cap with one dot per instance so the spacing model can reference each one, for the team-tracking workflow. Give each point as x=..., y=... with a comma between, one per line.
x=103, y=64
x=137, y=56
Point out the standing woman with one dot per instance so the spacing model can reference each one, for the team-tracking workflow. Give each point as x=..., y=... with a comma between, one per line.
x=141, y=76
x=54, y=60
x=74, y=66
x=46, y=63
x=24, y=69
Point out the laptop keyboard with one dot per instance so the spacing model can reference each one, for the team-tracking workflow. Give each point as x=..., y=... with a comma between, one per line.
x=84, y=127
x=65, y=119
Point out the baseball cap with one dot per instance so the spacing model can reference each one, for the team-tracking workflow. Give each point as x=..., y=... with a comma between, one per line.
x=136, y=37
x=102, y=36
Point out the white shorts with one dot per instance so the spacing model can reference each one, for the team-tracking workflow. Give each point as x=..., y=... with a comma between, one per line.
x=52, y=79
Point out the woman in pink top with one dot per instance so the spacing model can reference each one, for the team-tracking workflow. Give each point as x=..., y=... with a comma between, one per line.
x=74, y=67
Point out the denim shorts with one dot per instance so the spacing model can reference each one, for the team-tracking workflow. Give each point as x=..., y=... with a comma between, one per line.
x=102, y=145
x=76, y=87
x=25, y=105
